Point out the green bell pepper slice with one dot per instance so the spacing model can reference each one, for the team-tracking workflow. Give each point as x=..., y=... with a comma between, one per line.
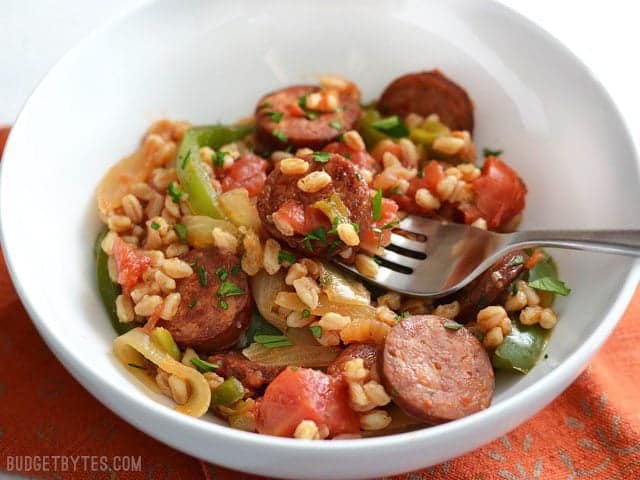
x=108, y=290
x=162, y=337
x=229, y=392
x=203, y=198
x=521, y=348
x=370, y=135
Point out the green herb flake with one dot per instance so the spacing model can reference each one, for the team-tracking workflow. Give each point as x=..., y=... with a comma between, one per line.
x=280, y=135
x=174, y=192
x=186, y=159
x=265, y=105
x=311, y=115
x=402, y=315
x=228, y=289
x=316, y=331
x=202, y=276
x=155, y=225
x=514, y=289
x=389, y=225
x=193, y=304
x=550, y=284
x=275, y=116
x=391, y=126
x=235, y=270
x=272, y=341
x=319, y=234
x=358, y=177
x=394, y=393
x=337, y=124
x=222, y=274
x=321, y=157
x=305, y=313
x=284, y=256
x=218, y=158
x=224, y=305
x=203, y=366
x=515, y=261
x=451, y=325
x=487, y=152
x=181, y=231
x=482, y=302
x=421, y=173
x=135, y=365
x=376, y=205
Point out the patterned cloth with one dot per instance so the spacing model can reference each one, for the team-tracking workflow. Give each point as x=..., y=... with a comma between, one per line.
x=591, y=431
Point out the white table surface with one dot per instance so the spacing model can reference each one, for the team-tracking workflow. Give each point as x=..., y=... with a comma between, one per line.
x=605, y=35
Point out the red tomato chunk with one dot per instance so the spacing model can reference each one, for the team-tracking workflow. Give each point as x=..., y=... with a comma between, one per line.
x=248, y=171
x=299, y=394
x=129, y=265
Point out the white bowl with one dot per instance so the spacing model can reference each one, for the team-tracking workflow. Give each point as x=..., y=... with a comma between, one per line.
x=207, y=61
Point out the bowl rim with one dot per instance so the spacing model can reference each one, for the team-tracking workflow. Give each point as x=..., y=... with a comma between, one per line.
x=562, y=374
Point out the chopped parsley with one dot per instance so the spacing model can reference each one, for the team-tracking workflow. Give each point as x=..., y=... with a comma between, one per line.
x=515, y=261
x=272, y=341
x=224, y=305
x=235, y=270
x=389, y=225
x=227, y=289
x=358, y=177
x=376, y=205
x=186, y=159
x=305, y=313
x=482, y=302
x=174, y=192
x=451, y=325
x=193, y=304
x=181, y=231
x=514, y=289
x=321, y=157
x=394, y=393
x=202, y=276
x=203, y=366
x=391, y=126
x=316, y=331
x=284, y=256
x=319, y=234
x=337, y=124
x=275, y=116
x=487, y=152
x=222, y=274
x=135, y=365
x=265, y=105
x=280, y=135
x=155, y=225
x=402, y=315
x=550, y=284
x=421, y=173
x=302, y=103
x=218, y=158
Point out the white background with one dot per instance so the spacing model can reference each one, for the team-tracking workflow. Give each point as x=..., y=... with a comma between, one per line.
x=605, y=35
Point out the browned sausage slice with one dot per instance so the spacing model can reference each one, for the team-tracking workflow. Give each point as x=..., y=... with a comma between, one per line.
x=425, y=93
x=254, y=376
x=280, y=120
x=366, y=351
x=287, y=213
x=434, y=373
x=205, y=320
x=489, y=287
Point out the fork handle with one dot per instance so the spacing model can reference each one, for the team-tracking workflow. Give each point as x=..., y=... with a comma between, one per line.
x=621, y=242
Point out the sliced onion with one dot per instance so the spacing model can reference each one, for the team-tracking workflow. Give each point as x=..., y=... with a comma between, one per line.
x=199, y=228
x=342, y=289
x=264, y=288
x=136, y=340
x=240, y=209
x=353, y=311
x=297, y=355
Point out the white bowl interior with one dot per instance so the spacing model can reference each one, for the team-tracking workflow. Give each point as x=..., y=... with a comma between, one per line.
x=208, y=61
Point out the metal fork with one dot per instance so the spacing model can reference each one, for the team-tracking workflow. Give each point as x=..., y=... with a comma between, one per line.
x=428, y=258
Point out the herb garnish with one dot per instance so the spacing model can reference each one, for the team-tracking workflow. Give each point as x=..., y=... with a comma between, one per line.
x=135, y=365
x=224, y=305
x=265, y=105
x=202, y=276
x=391, y=126
x=155, y=225
x=181, y=231
x=550, y=284
x=280, y=135
x=235, y=270
x=358, y=177
x=193, y=304
x=389, y=225
x=376, y=205
x=218, y=158
x=321, y=157
x=316, y=331
x=515, y=261
x=228, y=289
x=186, y=158
x=272, y=341
x=275, y=116
x=222, y=274
x=284, y=256
x=174, y=192
x=337, y=124
x=402, y=315
x=302, y=103
x=394, y=393
x=319, y=234
x=203, y=366
x=487, y=152
x=451, y=325
x=305, y=313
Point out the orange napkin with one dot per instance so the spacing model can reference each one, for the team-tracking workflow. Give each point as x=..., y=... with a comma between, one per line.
x=591, y=431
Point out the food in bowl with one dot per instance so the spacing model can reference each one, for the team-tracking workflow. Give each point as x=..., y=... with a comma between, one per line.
x=214, y=263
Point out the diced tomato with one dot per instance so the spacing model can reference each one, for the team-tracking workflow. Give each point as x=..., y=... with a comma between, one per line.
x=315, y=218
x=385, y=146
x=370, y=240
x=129, y=265
x=361, y=158
x=535, y=257
x=299, y=394
x=432, y=173
x=153, y=319
x=499, y=193
x=295, y=110
x=292, y=212
x=248, y=171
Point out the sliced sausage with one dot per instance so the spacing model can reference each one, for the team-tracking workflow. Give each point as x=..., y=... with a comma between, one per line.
x=488, y=287
x=436, y=374
x=281, y=121
x=366, y=351
x=205, y=320
x=254, y=376
x=287, y=213
x=425, y=93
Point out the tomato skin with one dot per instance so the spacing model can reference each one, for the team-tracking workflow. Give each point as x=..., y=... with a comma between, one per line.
x=370, y=240
x=314, y=218
x=248, y=171
x=432, y=173
x=293, y=212
x=500, y=193
x=361, y=158
x=129, y=265
x=298, y=394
